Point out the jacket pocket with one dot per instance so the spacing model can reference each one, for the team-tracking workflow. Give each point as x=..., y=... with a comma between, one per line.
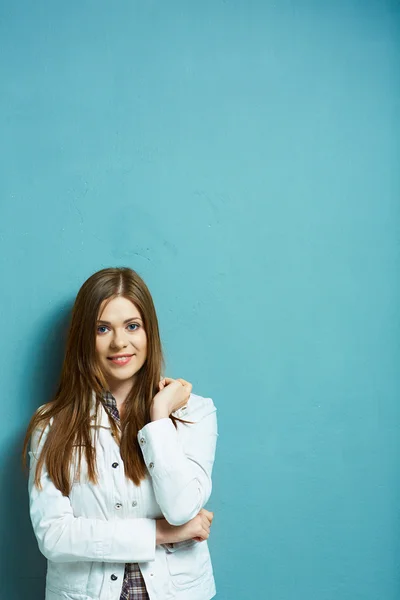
x=68, y=578
x=188, y=564
x=52, y=594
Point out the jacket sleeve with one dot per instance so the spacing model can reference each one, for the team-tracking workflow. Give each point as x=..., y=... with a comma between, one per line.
x=62, y=537
x=180, y=461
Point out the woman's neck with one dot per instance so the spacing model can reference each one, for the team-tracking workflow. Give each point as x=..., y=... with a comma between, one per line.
x=120, y=391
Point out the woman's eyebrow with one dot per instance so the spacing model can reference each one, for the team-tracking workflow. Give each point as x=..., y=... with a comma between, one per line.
x=124, y=323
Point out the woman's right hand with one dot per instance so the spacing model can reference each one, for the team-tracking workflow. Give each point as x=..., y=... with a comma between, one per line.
x=173, y=394
x=197, y=529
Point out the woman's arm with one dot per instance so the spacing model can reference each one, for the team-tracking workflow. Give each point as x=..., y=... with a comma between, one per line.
x=181, y=464
x=62, y=537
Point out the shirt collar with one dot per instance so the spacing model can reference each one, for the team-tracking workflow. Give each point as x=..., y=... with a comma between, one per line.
x=110, y=405
x=108, y=399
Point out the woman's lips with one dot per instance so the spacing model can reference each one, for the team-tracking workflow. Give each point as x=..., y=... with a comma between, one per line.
x=121, y=362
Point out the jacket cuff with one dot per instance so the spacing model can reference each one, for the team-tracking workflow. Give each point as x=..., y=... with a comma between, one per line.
x=160, y=447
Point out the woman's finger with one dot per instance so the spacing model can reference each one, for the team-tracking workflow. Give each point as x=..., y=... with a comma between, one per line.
x=186, y=385
x=205, y=533
x=206, y=523
x=208, y=514
x=207, y=527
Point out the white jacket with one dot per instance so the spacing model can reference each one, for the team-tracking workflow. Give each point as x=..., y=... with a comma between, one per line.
x=90, y=535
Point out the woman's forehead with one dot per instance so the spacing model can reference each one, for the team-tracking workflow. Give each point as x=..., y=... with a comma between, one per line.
x=117, y=309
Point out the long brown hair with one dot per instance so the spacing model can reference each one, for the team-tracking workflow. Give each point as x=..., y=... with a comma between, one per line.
x=82, y=379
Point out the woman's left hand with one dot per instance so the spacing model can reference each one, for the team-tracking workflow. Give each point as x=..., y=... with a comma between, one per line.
x=173, y=394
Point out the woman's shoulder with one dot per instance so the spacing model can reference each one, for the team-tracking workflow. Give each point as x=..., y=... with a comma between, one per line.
x=42, y=427
x=42, y=410
x=196, y=409
x=44, y=421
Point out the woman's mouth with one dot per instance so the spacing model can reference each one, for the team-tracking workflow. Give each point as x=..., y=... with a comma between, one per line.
x=120, y=361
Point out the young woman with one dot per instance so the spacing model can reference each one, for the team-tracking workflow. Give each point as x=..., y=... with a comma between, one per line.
x=121, y=460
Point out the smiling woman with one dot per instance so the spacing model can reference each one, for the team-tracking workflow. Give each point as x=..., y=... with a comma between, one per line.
x=120, y=459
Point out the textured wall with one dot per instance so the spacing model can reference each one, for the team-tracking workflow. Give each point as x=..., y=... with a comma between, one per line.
x=243, y=157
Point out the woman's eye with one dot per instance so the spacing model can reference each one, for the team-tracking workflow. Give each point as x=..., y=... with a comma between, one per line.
x=135, y=325
x=100, y=327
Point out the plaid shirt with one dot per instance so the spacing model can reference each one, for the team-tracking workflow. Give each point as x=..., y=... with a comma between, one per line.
x=133, y=587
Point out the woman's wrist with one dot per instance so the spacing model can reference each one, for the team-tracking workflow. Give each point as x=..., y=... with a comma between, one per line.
x=165, y=533
x=158, y=412
x=160, y=534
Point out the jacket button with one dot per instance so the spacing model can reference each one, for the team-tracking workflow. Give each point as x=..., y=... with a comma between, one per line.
x=114, y=465
x=151, y=466
x=142, y=441
x=114, y=577
x=134, y=503
x=118, y=505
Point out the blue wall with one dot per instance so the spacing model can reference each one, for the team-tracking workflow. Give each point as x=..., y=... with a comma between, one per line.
x=243, y=156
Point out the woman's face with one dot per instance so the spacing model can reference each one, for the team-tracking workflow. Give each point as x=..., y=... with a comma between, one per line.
x=120, y=333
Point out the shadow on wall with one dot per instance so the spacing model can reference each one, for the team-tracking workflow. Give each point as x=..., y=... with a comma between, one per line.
x=22, y=565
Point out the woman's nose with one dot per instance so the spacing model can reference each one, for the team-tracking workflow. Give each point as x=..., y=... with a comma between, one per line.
x=119, y=340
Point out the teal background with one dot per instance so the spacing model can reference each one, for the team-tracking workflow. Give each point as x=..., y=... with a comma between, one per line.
x=243, y=156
